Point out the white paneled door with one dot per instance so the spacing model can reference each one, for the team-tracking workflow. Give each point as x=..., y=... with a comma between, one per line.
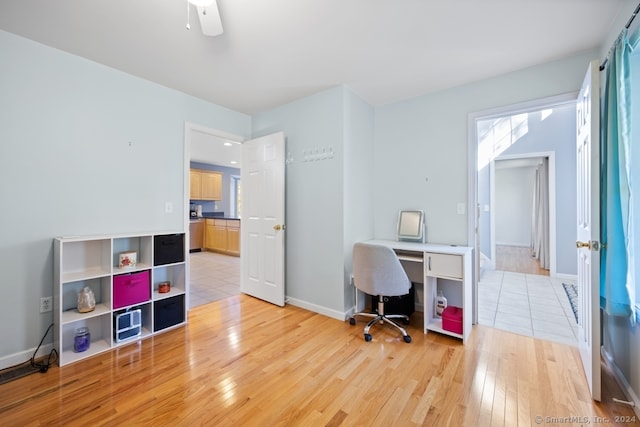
x=263, y=208
x=588, y=219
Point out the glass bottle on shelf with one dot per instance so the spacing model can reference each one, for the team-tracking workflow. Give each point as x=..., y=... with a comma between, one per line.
x=82, y=340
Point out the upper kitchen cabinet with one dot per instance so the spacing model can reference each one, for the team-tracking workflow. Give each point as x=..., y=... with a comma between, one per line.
x=205, y=185
x=195, y=184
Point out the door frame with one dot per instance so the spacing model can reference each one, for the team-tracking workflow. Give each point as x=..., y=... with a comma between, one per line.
x=188, y=128
x=551, y=207
x=473, y=212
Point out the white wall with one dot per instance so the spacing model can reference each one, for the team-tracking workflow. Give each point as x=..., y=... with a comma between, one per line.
x=67, y=168
x=514, y=205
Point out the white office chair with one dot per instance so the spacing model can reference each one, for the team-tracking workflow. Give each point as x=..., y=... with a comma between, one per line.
x=377, y=271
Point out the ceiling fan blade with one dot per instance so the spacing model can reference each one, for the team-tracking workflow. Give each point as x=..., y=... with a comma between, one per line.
x=210, y=22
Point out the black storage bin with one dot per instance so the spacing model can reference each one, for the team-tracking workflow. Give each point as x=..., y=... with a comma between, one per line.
x=404, y=304
x=168, y=248
x=168, y=312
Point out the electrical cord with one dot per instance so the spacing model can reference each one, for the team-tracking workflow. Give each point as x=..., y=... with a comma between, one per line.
x=44, y=366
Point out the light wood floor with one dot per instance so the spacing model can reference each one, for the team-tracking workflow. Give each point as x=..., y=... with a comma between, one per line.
x=291, y=367
x=517, y=259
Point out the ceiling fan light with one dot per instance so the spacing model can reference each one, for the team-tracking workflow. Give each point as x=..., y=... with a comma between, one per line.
x=201, y=3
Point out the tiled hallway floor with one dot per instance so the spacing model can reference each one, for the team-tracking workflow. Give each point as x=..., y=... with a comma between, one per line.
x=526, y=304
x=213, y=277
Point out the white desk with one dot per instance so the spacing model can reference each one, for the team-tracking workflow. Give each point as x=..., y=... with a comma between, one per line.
x=439, y=261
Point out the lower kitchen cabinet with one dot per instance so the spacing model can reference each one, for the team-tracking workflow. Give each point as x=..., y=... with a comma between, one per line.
x=223, y=236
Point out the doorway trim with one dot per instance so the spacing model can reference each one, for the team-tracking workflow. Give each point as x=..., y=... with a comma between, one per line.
x=472, y=165
x=190, y=127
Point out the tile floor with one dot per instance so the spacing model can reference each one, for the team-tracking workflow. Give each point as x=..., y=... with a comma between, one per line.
x=526, y=304
x=213, y=277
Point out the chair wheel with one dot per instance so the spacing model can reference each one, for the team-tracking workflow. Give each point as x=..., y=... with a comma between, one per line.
x=367, y=337
x=407, y=339
x=352, y=321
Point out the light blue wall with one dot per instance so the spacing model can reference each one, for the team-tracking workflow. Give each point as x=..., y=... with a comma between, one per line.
x=557, y=134
x=329, y=202
x=314, y=192
x=359, y=200
x=67, y=168
x=421, y=144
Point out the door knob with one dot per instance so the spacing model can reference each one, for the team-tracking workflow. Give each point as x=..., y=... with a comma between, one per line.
x=593, y=245
x=580, y=244
x=278, y=227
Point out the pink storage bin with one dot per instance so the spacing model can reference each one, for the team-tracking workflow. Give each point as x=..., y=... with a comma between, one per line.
x=132, y=288
x=452, y=319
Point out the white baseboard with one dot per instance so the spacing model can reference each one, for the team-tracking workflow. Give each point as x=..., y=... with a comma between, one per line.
x=24, y=356
x=514, y=244
x=570, y=277
x=334, y=314
x=630, y=395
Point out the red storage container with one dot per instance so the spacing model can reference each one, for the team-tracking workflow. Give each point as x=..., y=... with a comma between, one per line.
x=132, y=288
x=452, y=319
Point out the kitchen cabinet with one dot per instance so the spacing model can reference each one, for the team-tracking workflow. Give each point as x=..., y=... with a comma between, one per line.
x=211, y=186
x=223, y=236
x=196, y=234
x=205, y=185
x=195, y=185
x=233, y=237
x=130, y=295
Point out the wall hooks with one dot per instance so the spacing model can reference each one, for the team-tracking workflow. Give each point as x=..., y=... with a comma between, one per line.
x=318, y=153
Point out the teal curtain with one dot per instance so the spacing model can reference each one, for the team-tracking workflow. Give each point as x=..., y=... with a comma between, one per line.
x=617, y=283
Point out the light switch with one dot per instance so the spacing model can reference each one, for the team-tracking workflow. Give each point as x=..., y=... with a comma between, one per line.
x=461, y=208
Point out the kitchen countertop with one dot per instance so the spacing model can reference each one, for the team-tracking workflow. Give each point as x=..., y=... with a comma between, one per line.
x=205, y=216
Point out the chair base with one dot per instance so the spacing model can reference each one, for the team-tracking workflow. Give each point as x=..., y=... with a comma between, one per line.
x=382, y=318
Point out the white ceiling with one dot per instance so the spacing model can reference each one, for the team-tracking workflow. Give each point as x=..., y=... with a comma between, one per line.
x=276, y=51
x=207, y=148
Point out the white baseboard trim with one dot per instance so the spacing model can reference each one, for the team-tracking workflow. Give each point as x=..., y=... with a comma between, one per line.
x=569, y=277
x=630, y=395
x=24, y=356
x=334, y=314
x=514, y=244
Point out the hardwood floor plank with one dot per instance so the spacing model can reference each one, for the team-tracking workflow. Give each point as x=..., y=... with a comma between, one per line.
x=518, y=259
x=242, y=361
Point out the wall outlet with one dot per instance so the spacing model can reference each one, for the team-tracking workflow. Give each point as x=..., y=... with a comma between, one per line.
x=46, y=304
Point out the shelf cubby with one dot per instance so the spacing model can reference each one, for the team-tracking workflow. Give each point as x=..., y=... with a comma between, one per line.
x=174, y=274
x=99, y=329
x=85, y=259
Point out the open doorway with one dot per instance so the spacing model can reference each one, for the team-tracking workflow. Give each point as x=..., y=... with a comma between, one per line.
x=214, y=272
x=523, y=213
x=511, y=146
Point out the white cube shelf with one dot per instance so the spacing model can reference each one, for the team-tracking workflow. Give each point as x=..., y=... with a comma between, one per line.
x=93, y=261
